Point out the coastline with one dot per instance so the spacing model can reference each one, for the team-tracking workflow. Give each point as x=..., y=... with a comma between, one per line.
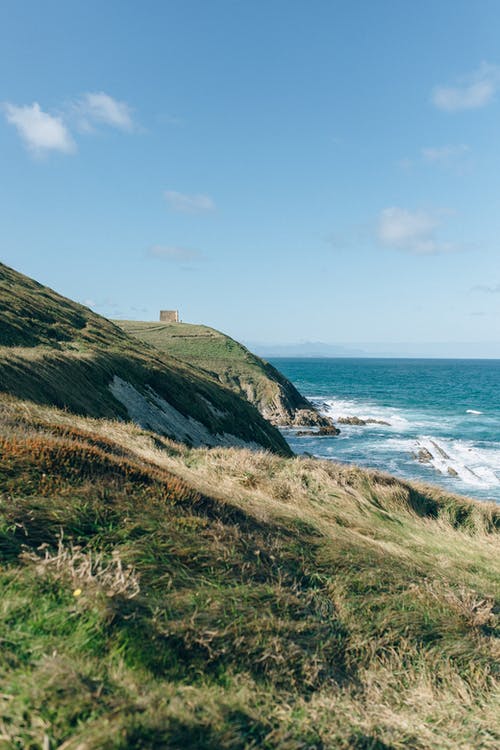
x=404, y=417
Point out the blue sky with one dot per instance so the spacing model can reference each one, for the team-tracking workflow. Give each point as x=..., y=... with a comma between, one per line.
x=280, y=169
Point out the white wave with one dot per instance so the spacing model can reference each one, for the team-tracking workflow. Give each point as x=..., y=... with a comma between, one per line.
x=474, y=466
x=336, y=407
x=400, y=420
x=473, y=411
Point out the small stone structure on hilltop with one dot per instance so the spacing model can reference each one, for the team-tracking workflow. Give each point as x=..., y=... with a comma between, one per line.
x=169, y=316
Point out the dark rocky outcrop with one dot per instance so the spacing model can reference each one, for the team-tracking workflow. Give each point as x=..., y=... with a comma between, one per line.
x=327, y=431
x=358, y=422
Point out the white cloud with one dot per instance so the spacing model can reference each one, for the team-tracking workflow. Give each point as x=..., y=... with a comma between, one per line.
x=100, y=108
x=40, y=131
x=444, y=155
x=189, y=204
x=473, y=91
x=174, y=253
x=43, y=132
x=411, y=231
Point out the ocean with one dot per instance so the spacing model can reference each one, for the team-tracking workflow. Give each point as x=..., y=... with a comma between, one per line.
x=443, y=417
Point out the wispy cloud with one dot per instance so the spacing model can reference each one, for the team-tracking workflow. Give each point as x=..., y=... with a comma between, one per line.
x=188, y=204
x=488, y=288
x=174, y=253
x=414, y=232
x=450, y=156
x=472, y=91
x=40, y=131
x=98, y=108
x=445, y=156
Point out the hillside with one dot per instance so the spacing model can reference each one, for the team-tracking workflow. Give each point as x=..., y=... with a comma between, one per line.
x=263, y=385
x=54, y=351
x=161, y=594
x=156, y=596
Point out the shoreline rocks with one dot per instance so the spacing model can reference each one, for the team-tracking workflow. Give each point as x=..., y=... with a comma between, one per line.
x=424, y=456
x=327, y=431
x=358, y=422
x=311, y=418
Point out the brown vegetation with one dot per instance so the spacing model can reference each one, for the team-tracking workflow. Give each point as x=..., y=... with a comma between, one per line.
x=156, y=596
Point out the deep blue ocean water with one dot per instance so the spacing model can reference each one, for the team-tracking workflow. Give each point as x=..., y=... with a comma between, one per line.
x=451, y=408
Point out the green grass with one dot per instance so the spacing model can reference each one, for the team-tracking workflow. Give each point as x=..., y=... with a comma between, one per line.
x=56, y=352
x=235, y=600
x=156, y=596
x=232, y=364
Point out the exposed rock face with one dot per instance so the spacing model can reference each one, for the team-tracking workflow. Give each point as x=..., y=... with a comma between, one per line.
x=276, y=398
x=288, y=407
x=452, y=472
x=235, y=367
x=310, y=417
x=153, y=412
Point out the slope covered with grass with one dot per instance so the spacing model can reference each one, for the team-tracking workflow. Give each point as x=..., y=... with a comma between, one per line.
x=157, y=596
x=234, y=365
x=57, y=352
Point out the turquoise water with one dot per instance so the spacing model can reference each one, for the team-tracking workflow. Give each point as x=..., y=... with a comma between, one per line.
x=450, y=408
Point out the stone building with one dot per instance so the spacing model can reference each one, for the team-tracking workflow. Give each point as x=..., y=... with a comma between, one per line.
x=169, y=316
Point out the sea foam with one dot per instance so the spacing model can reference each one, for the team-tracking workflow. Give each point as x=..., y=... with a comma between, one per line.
x=451, y=408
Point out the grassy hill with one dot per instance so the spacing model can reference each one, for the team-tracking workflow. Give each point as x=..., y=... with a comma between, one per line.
x=54, y=351
x=233, y=365
x=159, y=596
x=156, y=596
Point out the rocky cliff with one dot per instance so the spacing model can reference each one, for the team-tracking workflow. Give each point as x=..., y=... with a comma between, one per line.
x=54, y=351
x=233, y=365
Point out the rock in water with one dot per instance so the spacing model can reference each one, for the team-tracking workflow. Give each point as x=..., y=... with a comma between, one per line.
x=439, y=450
x=358, y=422
x=424, y=456
x=321, y=432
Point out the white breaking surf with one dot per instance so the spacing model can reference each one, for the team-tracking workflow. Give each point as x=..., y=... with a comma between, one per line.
x=473, y=466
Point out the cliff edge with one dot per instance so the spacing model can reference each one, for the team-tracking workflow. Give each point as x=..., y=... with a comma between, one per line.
x=56, y=352
x=234, y=366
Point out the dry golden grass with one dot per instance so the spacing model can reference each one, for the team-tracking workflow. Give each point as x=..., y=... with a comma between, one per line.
x=257, y=601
